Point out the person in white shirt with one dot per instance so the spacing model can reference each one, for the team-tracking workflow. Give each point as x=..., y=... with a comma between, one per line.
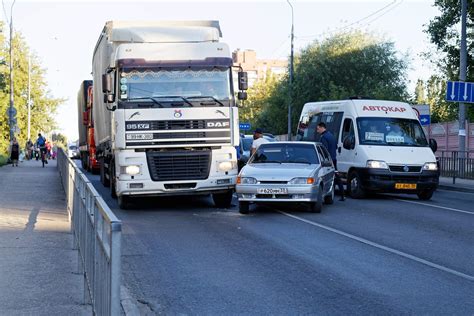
x=257, y=140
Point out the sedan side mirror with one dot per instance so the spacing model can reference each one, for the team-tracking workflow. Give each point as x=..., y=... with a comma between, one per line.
x=326, y=163
x=349, y=143
x=433, y=145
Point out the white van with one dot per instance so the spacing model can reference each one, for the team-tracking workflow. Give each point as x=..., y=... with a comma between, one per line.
x=381, y=146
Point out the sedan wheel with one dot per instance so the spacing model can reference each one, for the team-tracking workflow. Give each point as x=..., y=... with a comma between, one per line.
x=316, y=207
x=244, y=207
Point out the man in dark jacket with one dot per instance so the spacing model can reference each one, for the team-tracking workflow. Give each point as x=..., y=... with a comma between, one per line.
x=329, y=141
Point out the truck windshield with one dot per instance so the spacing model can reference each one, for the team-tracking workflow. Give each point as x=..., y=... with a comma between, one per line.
x=390, y=131
x=168, y=87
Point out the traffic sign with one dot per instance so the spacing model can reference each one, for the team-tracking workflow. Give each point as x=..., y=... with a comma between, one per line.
x=425, y=119
x=457, y=91
x=423, y=113
x=245, y=126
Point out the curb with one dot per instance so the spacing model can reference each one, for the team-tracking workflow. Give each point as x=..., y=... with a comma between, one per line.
x=456, y=188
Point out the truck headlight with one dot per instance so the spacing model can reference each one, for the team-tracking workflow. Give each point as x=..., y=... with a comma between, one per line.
x=301, y=181
x=246, y=180
x=377, y=164
x=131, y=170
x=225, y=166
x=431, y=166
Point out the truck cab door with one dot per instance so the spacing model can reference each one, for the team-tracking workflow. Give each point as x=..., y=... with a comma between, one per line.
x=347, y=157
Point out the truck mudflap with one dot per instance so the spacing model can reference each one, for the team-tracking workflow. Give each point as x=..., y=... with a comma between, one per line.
x=384, y=180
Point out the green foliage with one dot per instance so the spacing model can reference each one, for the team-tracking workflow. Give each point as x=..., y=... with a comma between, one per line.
x=3, y=160
x=444, y=33
x=43, y=105
x=60, y=140
x=344, y=65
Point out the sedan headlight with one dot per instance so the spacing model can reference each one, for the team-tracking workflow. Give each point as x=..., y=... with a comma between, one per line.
x=301, y=181
x=131, y=170
x=246, y=180
x=225, y=166
x=431, y=166
x=377, y=164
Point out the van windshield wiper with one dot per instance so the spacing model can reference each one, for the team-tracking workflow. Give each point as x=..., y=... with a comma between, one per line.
x=206, y=97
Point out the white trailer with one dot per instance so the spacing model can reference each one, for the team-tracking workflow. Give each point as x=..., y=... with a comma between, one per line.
x=166, y=120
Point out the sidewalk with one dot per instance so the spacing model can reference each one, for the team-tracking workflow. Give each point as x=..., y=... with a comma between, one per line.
x=38, y=268
x=462, y=185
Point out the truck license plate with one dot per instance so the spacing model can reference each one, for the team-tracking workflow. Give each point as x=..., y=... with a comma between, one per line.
x=272, y=191
x=405, y=186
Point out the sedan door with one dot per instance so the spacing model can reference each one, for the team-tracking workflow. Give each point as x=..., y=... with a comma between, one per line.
x=327, y=173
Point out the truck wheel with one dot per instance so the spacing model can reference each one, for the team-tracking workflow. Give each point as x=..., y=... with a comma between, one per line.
x=425, y=195
x=244, y=207
x=329, y=199
x=113, y=186
x=223, y=200
x=317, y=206
x=101, y=171
x=124, y=202
x=354, y=184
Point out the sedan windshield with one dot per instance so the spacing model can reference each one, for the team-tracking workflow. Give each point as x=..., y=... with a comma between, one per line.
x=166, y=87
x=285, y=153
x=390, y=131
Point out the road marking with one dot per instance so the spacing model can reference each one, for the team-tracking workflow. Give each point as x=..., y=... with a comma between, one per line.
x=379, y=246
x=436, y=206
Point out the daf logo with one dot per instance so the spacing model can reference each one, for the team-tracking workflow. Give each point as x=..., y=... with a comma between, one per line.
x=177, y=113
x=220, y=112
x=133, y=115
x=405, y=168
x=218, y=124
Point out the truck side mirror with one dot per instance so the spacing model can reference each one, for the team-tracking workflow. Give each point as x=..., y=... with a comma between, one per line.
x=243, y=80
x=106, y=83
x=242, y=95
x=433, y=145
x=349, y=143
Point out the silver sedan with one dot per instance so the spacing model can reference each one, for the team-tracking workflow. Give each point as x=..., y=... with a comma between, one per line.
x=287, y=172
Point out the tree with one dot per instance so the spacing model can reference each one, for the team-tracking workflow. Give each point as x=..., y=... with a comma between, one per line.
x=344, y=65
x=43, y=105
x=443, y=31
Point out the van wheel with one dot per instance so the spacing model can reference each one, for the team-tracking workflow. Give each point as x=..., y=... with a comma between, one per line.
x=223, y=200
x=425, y=194
x=317, y=206
x=124, y=202
x=329, y=199
x=244, y=207
x=354, y=184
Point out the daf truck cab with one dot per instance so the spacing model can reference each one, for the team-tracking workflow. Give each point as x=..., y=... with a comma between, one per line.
x=382, y=146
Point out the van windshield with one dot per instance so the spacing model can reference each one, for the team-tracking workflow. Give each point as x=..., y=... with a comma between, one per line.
x=391, y=132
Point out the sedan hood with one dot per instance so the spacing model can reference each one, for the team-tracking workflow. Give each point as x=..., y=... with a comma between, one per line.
x=278, y=172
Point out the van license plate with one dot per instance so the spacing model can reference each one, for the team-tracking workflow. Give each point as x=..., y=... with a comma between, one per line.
x=405, y=186
x=272, y=191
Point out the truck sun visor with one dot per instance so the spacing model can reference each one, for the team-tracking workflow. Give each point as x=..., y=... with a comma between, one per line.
x=208, y=62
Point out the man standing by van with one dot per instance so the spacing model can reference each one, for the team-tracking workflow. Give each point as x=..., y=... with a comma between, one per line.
x=329, y=141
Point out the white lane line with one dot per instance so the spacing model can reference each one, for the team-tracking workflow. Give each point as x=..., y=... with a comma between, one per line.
x=379, y=246
x=436, y=206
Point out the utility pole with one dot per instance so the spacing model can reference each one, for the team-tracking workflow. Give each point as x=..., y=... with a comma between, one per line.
x=462, y=77
x=11, y=110
x=291, y=72
x=29, y=97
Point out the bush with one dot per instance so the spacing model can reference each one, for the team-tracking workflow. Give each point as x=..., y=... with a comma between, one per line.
x=3, y=160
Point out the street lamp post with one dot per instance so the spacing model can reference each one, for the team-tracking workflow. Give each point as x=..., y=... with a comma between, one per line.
x=291, y=72
x=11, y=110
x=28, y=101
x=462, y=77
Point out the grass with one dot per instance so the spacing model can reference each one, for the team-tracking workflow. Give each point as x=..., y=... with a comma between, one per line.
x=3, y=160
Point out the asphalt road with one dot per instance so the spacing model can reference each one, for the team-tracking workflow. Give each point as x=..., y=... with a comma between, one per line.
x=385, y=255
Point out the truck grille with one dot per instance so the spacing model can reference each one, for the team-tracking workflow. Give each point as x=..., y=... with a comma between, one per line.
x=179, y=165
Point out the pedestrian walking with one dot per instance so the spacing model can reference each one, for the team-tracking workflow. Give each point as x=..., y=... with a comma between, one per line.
x=258, y=139
x=329, y=141
x=29, y=149
x=14, y=152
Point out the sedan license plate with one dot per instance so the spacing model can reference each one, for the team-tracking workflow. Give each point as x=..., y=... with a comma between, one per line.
x=272, y=191
x=405, y=186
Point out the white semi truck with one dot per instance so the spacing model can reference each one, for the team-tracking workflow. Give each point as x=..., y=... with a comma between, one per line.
x=165, y=115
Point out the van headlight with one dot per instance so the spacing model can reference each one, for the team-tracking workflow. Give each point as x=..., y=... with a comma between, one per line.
x=431, y=166
x=225, y=166
x=131, y=170
x=377, y=164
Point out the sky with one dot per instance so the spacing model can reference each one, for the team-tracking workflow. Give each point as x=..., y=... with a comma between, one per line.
x=62, y=34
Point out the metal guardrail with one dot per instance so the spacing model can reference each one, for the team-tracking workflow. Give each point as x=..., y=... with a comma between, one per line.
x=97, y=235
x=456, y=164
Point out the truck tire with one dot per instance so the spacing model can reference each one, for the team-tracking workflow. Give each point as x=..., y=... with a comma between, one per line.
x=425, y=195
x=223, y=200
x=354, y=186
x=244, y=207
x=317, y=206
x=103, y=179
x=113, y=188
x=124, y=202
